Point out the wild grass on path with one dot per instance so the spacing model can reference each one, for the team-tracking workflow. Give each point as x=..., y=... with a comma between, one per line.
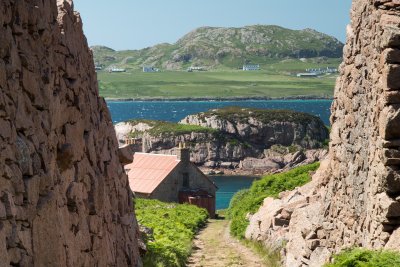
x=214, y=247
x=174, y=227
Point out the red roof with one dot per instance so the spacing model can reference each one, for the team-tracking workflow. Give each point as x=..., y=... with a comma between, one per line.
x=147, y=171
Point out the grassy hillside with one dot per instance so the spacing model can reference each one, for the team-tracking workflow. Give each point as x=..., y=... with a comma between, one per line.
x=280, y=52
x=214, y=47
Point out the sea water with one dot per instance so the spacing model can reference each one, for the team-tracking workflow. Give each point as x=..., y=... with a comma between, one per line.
x=176, y=110
x=228, y=186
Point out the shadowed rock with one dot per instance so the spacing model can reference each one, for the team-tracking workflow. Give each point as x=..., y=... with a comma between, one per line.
x=64, y=199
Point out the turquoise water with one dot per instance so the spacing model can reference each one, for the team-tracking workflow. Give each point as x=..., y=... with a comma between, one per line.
x=177, y=110
x=228, y=186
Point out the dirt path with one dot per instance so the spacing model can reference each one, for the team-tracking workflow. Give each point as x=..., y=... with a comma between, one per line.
x=214, y=247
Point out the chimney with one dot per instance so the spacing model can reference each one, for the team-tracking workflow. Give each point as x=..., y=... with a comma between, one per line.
x=183, y=153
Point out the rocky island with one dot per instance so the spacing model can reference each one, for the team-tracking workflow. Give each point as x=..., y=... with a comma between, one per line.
x=242, y=139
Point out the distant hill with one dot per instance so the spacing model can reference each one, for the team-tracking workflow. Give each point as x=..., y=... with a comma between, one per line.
x=213, y=47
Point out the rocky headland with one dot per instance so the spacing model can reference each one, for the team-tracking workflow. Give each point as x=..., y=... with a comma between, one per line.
x=236, y=139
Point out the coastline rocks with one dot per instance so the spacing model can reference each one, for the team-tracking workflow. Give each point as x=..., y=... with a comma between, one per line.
x=204, y=147
x=265, y=165
x=267, y=127
x=250, y=140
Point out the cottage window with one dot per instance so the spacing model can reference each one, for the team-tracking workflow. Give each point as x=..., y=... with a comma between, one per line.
x=185, y=179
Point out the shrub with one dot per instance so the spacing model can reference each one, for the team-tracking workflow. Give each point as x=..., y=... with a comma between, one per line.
x=366, y=258
x=174, y=227
x=250, y=200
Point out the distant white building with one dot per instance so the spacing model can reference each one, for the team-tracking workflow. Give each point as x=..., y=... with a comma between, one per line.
x=115, y=69
x=320, y=71
x=190, y=69
x=331, y=70
x=307, y=75
x=251, y=67
x=150, y=69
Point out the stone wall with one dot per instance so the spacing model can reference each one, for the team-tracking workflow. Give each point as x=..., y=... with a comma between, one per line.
x=168, y=190
x=64, y=197
x=354, y=198
x=364, y=183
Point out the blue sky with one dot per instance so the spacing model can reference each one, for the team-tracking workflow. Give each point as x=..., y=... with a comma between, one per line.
x=133, y=24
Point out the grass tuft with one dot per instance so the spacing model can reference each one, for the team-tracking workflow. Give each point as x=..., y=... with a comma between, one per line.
x=271, y=258
x=165, y=128
x=359, y=257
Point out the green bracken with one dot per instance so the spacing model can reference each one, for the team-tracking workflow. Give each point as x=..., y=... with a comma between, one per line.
x=249, y=200
x=359, y=257
x=174, y=227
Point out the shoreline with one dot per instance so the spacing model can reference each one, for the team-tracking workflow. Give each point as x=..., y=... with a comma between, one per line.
x=215, y=99
x=236, y=172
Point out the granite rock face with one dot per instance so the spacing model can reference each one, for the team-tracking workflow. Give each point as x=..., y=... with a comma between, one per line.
x=264, y=127
x=249, y=139
x=64, y=197
x=354, y=198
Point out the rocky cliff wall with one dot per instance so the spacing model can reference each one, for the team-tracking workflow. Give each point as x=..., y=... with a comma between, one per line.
x=64, y=197
x=354, y=199
x=253, y=140
x=264, y=127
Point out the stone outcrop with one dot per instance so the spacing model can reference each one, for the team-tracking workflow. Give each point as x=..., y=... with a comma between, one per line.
x=354, y=198
x=264, y=127
x=64, y=197
x=253, y=140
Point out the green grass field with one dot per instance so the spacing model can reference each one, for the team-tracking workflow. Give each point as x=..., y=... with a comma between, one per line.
x=273, y=81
